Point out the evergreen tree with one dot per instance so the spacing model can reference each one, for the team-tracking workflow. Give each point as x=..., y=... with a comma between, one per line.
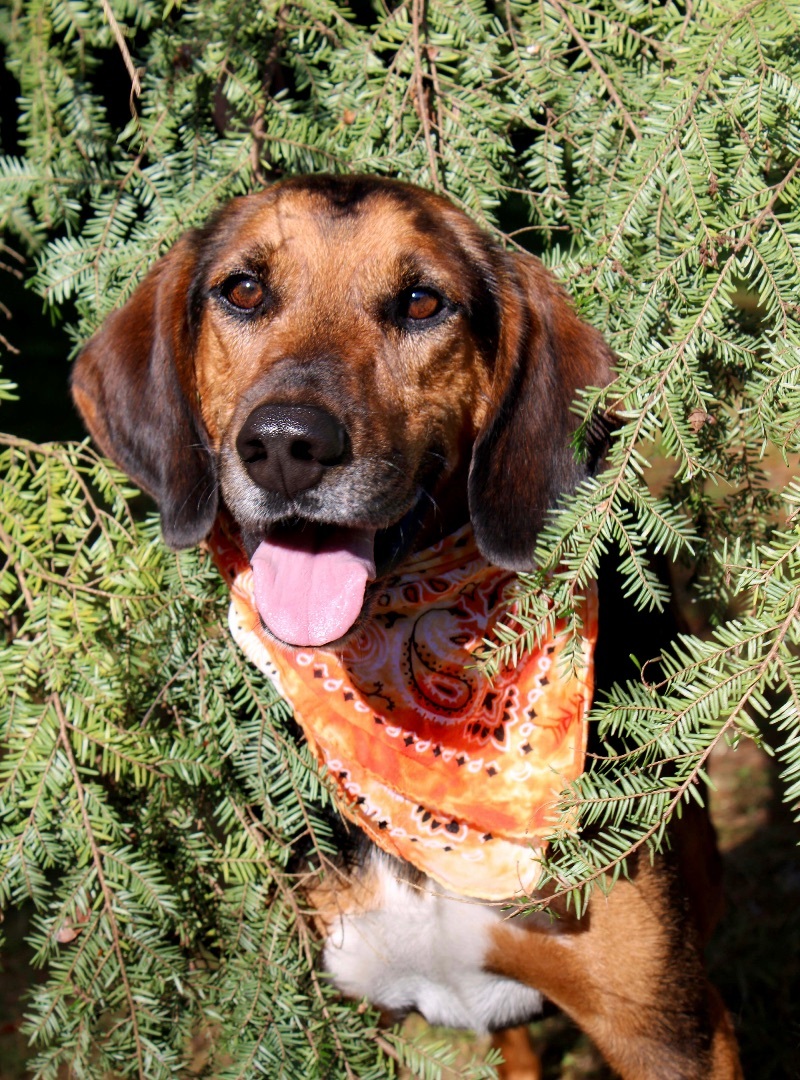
x=151, y=788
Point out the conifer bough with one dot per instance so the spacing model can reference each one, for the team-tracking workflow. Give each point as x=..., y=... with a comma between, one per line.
x=151, y=788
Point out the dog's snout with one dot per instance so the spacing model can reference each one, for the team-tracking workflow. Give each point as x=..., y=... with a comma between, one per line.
x=287, y=448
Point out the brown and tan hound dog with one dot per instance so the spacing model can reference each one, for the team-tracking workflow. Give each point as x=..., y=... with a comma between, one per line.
x=350, y=363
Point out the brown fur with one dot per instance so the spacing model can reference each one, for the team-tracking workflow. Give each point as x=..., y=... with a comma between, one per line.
x=472, y=412
x=169, y=378
x=630, y=973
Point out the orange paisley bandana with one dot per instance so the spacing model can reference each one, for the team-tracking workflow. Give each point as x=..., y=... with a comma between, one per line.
x=438, y=765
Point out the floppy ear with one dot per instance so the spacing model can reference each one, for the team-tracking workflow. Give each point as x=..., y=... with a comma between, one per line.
x=523, y=458
x=134, y=387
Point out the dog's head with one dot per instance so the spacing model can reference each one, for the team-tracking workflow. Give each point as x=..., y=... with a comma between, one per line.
x=355, y=369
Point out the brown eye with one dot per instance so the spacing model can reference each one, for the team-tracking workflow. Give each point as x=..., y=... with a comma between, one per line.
x=245, y=293
x=422, y=304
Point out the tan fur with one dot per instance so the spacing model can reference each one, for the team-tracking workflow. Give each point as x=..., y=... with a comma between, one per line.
x=330, y=275
x=620, y=973
x=520, y=1062
x=166, y=385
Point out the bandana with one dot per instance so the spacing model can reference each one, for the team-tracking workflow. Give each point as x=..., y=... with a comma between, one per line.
x=439, y=765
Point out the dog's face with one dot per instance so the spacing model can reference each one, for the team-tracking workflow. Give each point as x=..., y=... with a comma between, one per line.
x=356, y=369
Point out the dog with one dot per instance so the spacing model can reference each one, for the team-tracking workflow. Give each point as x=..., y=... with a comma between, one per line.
x=346, y=371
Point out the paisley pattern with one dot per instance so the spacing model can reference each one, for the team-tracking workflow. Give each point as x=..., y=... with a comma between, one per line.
x=440, y=766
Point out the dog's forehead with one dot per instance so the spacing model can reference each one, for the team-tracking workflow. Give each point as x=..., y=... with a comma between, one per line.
x=374, y=236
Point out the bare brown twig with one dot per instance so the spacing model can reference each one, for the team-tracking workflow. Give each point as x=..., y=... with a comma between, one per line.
x=423, y=93
x=119, y=37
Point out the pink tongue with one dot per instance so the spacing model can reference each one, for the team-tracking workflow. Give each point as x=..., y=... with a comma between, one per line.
x=310, y=591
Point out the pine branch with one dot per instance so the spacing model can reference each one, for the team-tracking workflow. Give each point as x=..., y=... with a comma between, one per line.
x=651, y=154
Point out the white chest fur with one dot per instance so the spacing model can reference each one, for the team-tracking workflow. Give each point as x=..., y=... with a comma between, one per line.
x=424, y=949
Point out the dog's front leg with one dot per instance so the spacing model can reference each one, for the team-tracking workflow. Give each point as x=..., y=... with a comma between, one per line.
x=520, y=1060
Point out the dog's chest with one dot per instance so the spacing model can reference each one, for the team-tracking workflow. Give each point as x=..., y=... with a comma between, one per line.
x=423, y=949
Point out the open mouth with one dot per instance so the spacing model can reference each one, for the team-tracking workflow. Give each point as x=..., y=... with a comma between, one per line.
x=311, y=579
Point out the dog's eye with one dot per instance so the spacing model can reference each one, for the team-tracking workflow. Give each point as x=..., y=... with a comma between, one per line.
x=419, y=304
x=244, y=292
x=423, y=304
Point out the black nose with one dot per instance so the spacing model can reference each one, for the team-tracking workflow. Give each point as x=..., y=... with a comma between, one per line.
x=287, y=448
